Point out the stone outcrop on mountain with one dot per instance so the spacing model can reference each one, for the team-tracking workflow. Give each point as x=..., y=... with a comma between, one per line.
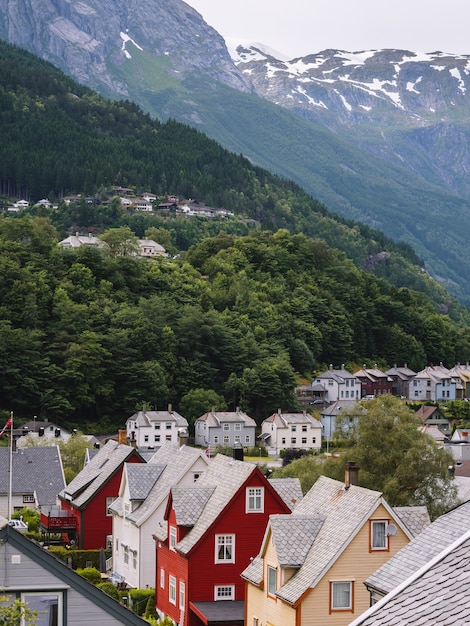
x=92, y=40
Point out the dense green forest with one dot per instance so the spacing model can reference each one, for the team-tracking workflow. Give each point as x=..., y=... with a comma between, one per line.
x=246, y=307
x=86, y=337
x=60, y=137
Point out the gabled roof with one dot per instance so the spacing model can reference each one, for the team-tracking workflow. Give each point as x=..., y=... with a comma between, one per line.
x=115, y=612
x=337, y=375
x=289, y=489
x=97, y=472
x=337, y=514
x=336, y=407
x=216, y=418
x=188, y=504
x=172, y=462
x=405, y=373
x=425, y=412
x=415, y=518
x=294, y=537
x=283, y=420
x=141, y=478
x=147, y=418
x=36, y=469
x=225, y=476
x=427, y=544
x=436, y=593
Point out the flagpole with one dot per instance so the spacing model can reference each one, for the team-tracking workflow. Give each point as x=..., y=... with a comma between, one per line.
x=10, y=487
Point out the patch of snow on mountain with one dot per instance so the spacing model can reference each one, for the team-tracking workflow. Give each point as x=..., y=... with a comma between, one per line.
x=355, y=58
x=238, y=51
x=412, y=86
x=438, y=68
x=455, y=73
x=311, y=100
x=345, y=102
x=125, y=39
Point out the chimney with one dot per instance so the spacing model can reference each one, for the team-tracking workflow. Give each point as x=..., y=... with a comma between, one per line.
x=170, y=408
x=351, y=474
x=183, y=437
x=237, y=452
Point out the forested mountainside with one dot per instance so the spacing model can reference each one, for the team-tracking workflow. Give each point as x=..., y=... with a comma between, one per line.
x=60, y=137
x=85, y=338
x=404, y=174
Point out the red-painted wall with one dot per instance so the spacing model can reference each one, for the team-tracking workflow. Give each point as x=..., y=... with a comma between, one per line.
x=198, y=570
x=93, y=525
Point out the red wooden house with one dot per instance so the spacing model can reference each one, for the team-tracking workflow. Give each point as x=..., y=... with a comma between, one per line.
x=212, y=531
x=88, y=496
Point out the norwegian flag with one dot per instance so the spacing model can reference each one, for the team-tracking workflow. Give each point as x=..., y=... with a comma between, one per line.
x=7, y=425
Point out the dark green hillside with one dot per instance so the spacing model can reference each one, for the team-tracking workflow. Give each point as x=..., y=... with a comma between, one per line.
x=86, y=337
x=59, y=137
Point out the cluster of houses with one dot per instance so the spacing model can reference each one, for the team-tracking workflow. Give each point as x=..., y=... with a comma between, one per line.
x=221, y=543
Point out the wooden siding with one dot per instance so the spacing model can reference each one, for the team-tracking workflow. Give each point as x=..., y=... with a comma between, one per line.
x=199, y=571
x=355, y=564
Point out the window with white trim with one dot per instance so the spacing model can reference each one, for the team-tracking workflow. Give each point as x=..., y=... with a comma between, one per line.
x=169, y=425
x=182, y=595
x=225, y=548
x=272, y=580
x=28, y=498
x=172, y=590
x=172, y=540
x=109, y=501
x=225, y=426
x=156, y=438
x=224, y=592
x=238, y=426
x=226, y=439
x=255, y=499
x=49, y=605
x=126, y=555
x=341, y=596
x=134, y=559
x=216, y=439
x=247, y=438
x=162, y=578
x=378, y=535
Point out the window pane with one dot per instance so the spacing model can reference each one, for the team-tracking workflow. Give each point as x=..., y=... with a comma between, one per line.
x=341, y=595
x=379, y=536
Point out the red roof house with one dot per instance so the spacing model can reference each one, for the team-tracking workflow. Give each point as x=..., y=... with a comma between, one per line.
x=88, y=496
x=209, y=534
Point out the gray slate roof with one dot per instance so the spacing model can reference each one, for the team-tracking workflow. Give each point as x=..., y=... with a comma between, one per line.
x=97, y=471
x=289, y=489
x=189, y=503
x=141, y=478
x=438, y=593
x=176, y=461
x=147, y=418
x=293, y=536
x=434, y=538
x=37, y=469
x=216, y=418
x=336, y=515
x=415, y=518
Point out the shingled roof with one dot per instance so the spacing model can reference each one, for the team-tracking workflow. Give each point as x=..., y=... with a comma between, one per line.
x=97, y=472
x=427, y=544
x=336, y=515
x=34, y=470
x=436, y=593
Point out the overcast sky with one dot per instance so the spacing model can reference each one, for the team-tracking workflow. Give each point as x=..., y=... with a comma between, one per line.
x=301, y=27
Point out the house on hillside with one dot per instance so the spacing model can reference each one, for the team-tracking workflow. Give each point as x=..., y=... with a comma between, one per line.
x=374, y=382
x=433, y=416
x=311, y=564
x=401, y=377
x=417, y=576
x=37, y=478
x=88, y=496
x=334, y=385
x=329, y=417
x=300, y=431
x=148, y=248
x=225, y=428
x=77, y=240
x=141, y=505
x=435, y=384
x=150, y=429
x=46, y=584
x=210, y=532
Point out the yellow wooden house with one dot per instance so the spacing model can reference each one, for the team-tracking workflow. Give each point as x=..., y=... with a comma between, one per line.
x=313, y=562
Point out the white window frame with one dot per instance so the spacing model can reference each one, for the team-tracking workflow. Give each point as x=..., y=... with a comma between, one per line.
x=225, y=548
x=182, y=595
x=162, y=578
x=27, y=597
x=172, y=589
x=255, y=499
x=238, y=426
x=134, y=560
x=172, y=538
x=226, y=439
x=126, y=555
x=336, y=588
x=225, y=426
x=109, y=501
x=224, y=592
x=379, y=540
x=272, y=580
